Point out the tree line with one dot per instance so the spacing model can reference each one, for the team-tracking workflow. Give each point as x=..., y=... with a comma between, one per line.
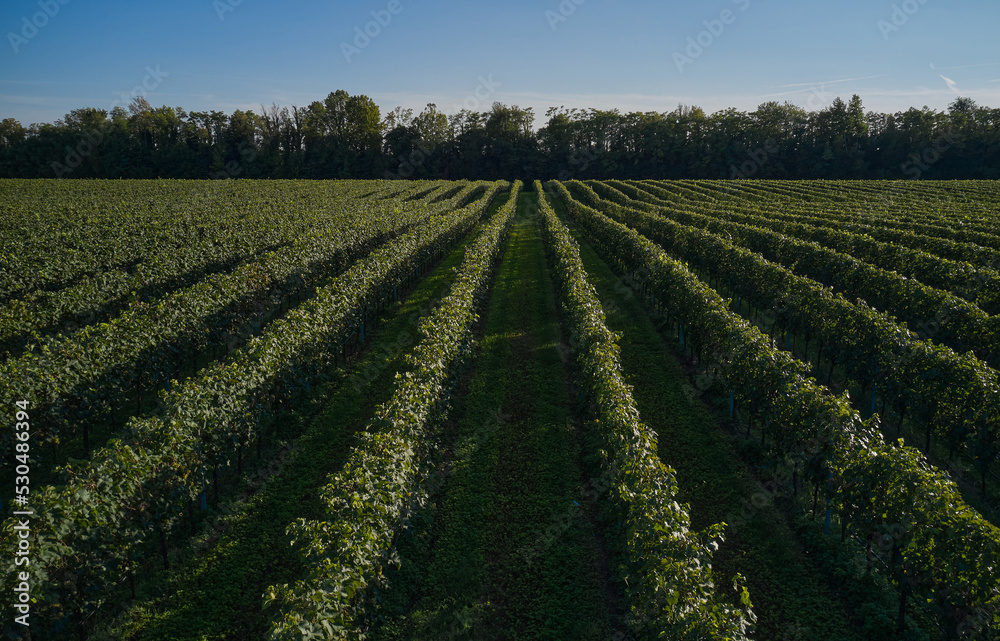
x=345, y=136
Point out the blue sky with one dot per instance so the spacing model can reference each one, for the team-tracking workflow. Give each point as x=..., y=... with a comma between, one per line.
x=634, y=55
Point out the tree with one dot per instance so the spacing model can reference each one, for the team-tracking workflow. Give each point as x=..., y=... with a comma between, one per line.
x=346, y=135
x=11, y=132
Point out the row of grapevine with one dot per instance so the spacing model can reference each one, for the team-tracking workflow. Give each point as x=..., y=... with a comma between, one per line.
x=946, y=318
x=24, y=321
x=667, y=570
x=786, y=192
x=950, y=209
x=57, y=234
x=979, y=285
x=42, y=313
x=901, y=226
x=83, y=377
x=955, y=395
x=101, y=524
x=940, y=550
x=388, y=474
x=884, y=210
x=975, y=248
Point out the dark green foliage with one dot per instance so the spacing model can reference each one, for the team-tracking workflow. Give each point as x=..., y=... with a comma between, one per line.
x=344, y=136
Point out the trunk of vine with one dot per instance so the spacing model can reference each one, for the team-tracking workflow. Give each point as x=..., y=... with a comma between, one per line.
x=163, y=550
x=901, y=616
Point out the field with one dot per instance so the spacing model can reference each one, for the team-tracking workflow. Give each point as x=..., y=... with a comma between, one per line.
x=596, y=410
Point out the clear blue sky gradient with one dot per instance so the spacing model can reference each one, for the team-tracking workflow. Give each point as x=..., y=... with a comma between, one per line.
x=633, y=55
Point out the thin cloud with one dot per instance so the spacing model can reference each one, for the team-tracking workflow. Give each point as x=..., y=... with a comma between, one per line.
x=224, y=77
x=46, y=101
x=788, y=93
x=984, y=64
x=951, y=84
x=825, y=82
x=45, y=82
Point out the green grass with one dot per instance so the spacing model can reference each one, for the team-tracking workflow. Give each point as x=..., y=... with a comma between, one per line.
x=215, y=590
x=505, y=552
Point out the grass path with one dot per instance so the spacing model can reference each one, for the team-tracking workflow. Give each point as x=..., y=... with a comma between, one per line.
x=506, y=552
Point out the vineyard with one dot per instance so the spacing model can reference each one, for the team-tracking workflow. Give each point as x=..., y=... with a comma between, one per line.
x=596, y=410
